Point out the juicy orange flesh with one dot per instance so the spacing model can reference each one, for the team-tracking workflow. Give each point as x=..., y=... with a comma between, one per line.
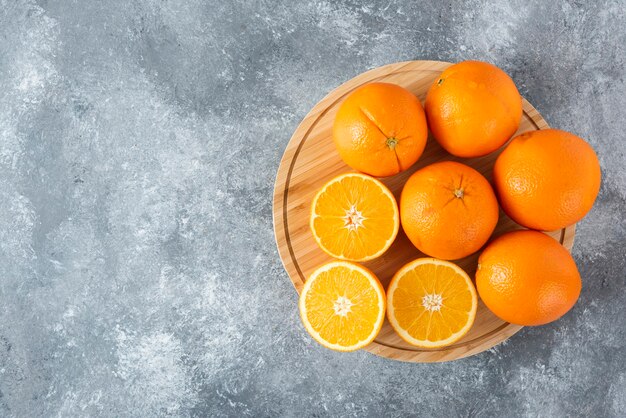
x=356, y=325
x=421, y=323
x=370, y=201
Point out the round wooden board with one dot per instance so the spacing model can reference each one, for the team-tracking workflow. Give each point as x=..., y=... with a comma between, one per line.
x=310, y=160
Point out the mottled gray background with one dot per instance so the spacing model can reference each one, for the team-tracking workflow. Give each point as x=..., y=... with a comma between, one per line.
x=138, y=147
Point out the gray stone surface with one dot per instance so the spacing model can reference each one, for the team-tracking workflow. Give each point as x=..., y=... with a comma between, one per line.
x=138, y=147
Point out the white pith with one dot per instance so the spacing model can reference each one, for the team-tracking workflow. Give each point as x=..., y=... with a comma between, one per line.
x=342, y=306
x=353, y=219
x=432, y=302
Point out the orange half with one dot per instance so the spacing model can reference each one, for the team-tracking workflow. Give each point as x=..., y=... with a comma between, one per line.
x=354, y=217
x=431, y=303
x=342, y=306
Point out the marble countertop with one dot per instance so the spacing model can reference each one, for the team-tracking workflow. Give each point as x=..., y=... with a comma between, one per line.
x=138, y=147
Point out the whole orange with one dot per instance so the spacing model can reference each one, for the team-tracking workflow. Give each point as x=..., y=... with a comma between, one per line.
x=448, y=210
x=527, y=278
x=473, y=108
x=380, y=129
x=547, y=179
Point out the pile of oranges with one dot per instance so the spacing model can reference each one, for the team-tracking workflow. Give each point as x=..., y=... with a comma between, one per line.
x=544, y=180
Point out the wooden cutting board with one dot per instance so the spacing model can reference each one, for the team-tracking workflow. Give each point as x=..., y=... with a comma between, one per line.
x=310, y=160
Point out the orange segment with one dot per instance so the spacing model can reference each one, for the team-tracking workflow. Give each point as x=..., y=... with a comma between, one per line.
x=342, y=306
x=431, y=303
x=354, y=217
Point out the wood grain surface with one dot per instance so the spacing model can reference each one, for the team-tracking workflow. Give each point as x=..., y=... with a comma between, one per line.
x=310, y=160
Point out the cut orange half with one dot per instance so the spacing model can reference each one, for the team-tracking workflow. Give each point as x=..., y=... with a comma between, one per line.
x=342, y=306
x=431, y=303
x=354, y=217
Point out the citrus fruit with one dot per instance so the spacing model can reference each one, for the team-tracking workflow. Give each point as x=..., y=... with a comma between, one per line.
x=431, y=303
x=354, y=217
x=547, y=179
x=342, y=306
x=473, y=108
x=448, y=210
x=380, y=129
x=527, y=278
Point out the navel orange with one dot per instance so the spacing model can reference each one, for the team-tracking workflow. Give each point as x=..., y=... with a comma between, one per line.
x=527, y=278
x=547, y=179
x=342, y=306
x=354, y=217
x=380, y=129
x=431, y=303
x=448, y=210
x=473, y=108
